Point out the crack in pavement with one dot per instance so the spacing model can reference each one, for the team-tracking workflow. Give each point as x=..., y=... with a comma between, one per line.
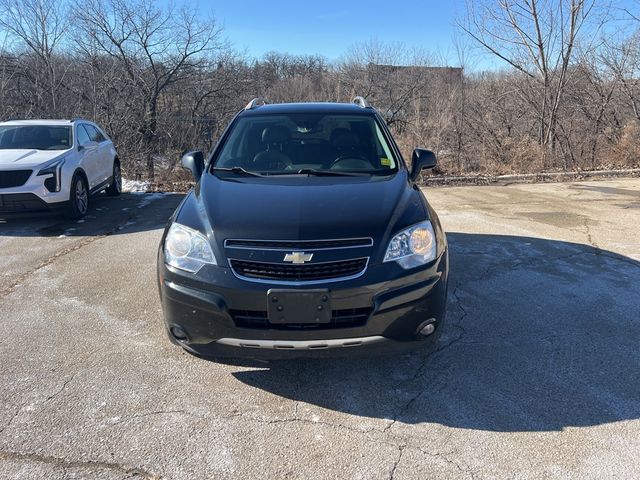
x=445, y=456
x=427, y=357
x=590, y=236
x=74, y=375
x=250, y=418
x=13, y=417
x=401, y=443
x=404, y=446
x=425, y=360
x=135, y=416
x=397, y=461
x=58, y=391
x=300, y=420
x=78, y=464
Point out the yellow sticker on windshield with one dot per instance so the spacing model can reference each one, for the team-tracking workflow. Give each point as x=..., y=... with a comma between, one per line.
x=385, y=162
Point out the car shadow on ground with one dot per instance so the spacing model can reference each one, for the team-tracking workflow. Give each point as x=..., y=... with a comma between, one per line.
x=541, y=335
x=107, y=216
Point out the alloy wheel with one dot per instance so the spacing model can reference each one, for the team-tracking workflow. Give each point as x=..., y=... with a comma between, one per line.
x=117, y=174
x=82, y=197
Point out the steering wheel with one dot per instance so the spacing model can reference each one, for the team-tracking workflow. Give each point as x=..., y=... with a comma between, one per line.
x=282, y=164
x=353, y=156
x=272, y=164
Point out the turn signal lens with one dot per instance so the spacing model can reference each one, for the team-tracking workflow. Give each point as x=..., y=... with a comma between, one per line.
x=420, y=241
x=413, y=246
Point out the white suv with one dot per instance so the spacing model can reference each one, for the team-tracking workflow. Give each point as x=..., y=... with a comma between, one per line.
x=55, y=164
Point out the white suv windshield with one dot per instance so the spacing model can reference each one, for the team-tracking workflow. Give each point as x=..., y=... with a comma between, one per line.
x=36, y=137
x=289, y=143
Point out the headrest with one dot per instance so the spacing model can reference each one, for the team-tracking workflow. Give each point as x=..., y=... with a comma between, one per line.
x=277, y=134
x=343, y=138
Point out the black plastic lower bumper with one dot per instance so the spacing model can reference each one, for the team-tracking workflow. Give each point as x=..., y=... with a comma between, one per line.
x=22, y=203
x=227, y=317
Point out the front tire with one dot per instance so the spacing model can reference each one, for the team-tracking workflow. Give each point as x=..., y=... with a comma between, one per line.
x=115, y=188
x=78, y=198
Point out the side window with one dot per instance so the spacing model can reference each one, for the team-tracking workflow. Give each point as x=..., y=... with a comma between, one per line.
x=83, y=136
x=95, y=134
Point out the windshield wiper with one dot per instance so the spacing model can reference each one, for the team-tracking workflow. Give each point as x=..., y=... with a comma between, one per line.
x=238, y=170
x=329, y=173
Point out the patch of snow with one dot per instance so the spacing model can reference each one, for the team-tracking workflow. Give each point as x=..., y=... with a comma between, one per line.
x=132, y=186
x=150, y=197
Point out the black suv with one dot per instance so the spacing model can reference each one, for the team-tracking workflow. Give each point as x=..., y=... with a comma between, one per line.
x=305, y=234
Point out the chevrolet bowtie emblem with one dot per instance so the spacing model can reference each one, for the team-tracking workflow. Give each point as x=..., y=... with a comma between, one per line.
x=298, y=257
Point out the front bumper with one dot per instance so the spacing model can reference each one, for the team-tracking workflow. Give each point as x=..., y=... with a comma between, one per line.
x=392, y=308
x=22, y=203
x=32, y=197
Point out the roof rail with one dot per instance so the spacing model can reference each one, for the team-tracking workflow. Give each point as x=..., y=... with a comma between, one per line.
x=361, y=102
x=77, y=119
x=255, y=103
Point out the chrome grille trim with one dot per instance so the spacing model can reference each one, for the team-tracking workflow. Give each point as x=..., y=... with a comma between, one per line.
x=296, y=244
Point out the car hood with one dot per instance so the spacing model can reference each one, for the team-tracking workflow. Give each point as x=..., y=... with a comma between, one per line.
x=27, y=158
x=303, y=208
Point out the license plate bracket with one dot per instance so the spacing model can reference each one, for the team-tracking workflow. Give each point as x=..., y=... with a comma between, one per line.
x=299, y=306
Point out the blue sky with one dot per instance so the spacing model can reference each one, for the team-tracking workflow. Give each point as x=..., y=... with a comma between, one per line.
x=329, y=27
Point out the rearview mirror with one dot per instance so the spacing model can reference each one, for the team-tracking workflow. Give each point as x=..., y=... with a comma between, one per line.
x=194, y=162
x=420, y=160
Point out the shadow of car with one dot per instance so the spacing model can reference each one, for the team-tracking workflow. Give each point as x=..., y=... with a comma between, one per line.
x=108, y=216
x=542, y=335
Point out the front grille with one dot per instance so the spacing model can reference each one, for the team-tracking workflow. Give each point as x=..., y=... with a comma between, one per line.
x=258, y=319
x=299, y=244
x=14, y=178
x=299, y=273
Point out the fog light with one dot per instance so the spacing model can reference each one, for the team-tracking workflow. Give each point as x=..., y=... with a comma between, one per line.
x=178, y=333
x=427, y=328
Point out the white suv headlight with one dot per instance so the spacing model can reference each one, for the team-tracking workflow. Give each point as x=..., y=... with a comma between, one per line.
x=54, y=169
x=413, y=246
x=187, y=249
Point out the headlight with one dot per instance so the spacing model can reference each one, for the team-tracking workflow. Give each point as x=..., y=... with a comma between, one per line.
x=413, y=246
x=187, y=249
x=53, y=168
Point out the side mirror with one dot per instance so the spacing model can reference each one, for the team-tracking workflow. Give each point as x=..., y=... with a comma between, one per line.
x=420, y=160
x=194, y=162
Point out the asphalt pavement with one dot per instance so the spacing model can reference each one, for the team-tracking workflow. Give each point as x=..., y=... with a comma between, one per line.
x=537, y=375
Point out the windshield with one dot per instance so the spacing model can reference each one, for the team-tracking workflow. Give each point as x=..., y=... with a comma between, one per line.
x=36, y=137
x=307, y=143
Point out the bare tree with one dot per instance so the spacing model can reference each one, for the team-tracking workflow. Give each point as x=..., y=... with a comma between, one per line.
x=155, y=47
x=538, y=39
x=39, y=26
x=622, y=57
